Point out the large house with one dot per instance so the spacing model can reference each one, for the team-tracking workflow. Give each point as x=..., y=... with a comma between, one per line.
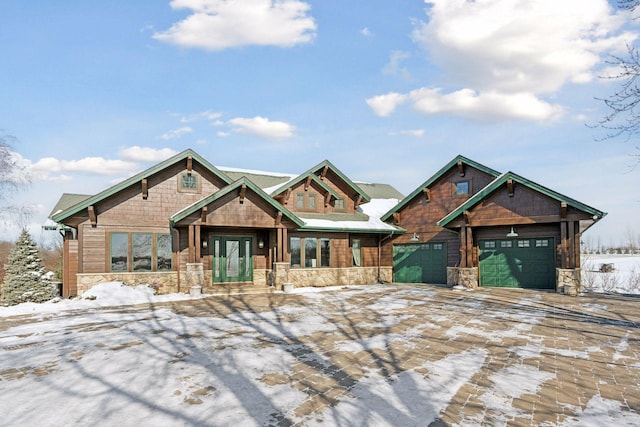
x=185, y=223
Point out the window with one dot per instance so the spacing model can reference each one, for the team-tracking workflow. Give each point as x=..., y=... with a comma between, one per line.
x=462, y=187
x=490, y=245
x=142, y=247
x=310, y=252
x=325, y=253
x=524, y=243
x=163, y=252
x=300, y=201
x=189, y=181
x=356, y=251
x=542, y=243
x=339, y=205
x=505, y=244
x=312, y=202
x=140, y=252
x=119, y=243
x=438, y=246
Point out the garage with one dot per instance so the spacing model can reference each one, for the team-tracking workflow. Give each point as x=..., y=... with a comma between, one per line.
x=518, y=263
x=420, y=263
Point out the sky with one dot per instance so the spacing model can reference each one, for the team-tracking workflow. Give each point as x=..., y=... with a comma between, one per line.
x=93, y=92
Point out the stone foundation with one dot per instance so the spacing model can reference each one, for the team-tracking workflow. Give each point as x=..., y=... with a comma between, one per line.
x=163, y=282
x=568, y=281
x=467, y=277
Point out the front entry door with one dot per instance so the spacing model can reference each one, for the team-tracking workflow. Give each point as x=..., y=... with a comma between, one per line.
x=232, y=259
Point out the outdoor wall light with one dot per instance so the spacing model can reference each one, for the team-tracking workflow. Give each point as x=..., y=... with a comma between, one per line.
x=204, y=244
x=512, y=233
x=415, y=237
x=261, y=243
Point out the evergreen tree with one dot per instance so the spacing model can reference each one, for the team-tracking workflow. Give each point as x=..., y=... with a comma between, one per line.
x=23, y=281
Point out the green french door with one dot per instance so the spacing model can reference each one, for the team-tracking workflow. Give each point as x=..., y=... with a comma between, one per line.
x=232, y=259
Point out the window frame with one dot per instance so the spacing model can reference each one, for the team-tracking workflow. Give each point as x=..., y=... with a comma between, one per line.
x=299, y=252
x=197, y=188
x=130, y=250
x=457, y=191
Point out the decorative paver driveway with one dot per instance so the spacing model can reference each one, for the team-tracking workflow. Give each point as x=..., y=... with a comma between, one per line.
x=378, y=355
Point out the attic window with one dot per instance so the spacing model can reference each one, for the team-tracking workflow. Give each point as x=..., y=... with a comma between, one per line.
x=189, y=182
x=339, y=205
x=462, y=188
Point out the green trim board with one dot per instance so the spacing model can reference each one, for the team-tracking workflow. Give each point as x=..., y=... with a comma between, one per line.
x=437, y=176
x=315, y=169
x=500, y=181
x=301, y=178
x=136, y=178
x=180, y=215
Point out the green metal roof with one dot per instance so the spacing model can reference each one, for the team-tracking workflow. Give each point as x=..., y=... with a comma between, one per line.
x=501, y=180
x=261, y=180
x=381, y=191
x=315, y=169
x=178, y=216
x=437, y=176
x=66, y=201
x=59, y=217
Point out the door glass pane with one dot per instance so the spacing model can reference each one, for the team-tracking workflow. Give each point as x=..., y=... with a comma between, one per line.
x=247, y=258
x=310, y=252
x=294, y=247
x=357, y=253
x=216, y=257
x=163, y=252
x=325, y=253
x=142, y=247
x=233, y=258
x=119, y=251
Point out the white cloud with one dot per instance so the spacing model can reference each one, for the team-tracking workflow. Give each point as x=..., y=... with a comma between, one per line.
x=366, y=32
x=176, y=133
x=393, y=67
x=383, y=105
x=511, y=53
x=46, y=166
x=222, y=134
x=263, y=127
x=484, y=105
x=411, y=132
x=221, y=24
x=203, y=115
x=146, y=154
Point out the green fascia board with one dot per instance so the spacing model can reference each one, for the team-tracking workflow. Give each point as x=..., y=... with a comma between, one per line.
x=136, y=178
x=178, y=216
x=501, y=180
x=395, y=230
x=319, y=166
x=301, y=178
x=437, y=176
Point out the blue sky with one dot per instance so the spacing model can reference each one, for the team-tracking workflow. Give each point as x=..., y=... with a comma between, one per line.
x=388, y=91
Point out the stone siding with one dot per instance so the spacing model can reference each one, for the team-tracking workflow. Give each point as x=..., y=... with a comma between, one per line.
x=322, y=277
x=467, y=277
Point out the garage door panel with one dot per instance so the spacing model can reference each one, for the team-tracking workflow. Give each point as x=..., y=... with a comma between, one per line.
x=523, y=263
x=420, y=263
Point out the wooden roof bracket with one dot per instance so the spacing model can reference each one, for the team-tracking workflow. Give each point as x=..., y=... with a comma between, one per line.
x=92, y=216
x=358, y=201
x=427, y=194
x=243, y=192
x=467, y=220
x=287, y=193
x=396, y=218
x=563, y=210
x=460, y=168
x=203, y=215
x=308, y=182
x=278, y=218
x=189, y=164
x=145, y=189
x=327, y=199
x=510, y=187
x=324, y=172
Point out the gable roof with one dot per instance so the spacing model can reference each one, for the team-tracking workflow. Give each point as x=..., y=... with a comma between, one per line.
x=84, y=204
x=501, y=180
x=194, y=207
x=313, y=170
x=301, y=178
x=66, y=201
x=437, y=176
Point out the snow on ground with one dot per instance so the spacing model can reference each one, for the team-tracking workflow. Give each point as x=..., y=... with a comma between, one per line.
x=624, y=279
x=79, y=362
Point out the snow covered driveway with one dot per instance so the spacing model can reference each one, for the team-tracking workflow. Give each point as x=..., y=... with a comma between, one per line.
x=367, y=356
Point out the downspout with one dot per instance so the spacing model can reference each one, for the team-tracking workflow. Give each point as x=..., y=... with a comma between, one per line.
x=380, y=253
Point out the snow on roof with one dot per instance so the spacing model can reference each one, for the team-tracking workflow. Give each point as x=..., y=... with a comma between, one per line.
x=373, y=210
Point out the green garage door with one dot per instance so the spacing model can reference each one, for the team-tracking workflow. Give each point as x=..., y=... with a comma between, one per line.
x=518, y=263
x=420, y=263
